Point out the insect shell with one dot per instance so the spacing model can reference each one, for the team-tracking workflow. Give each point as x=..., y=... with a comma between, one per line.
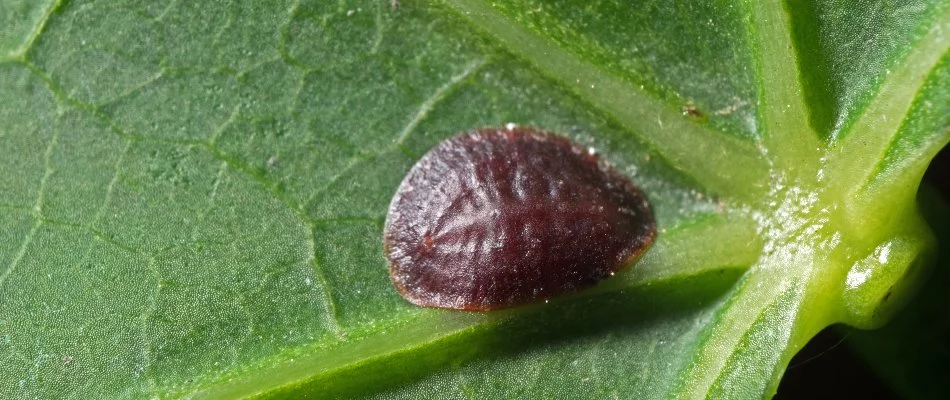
x=500, y=217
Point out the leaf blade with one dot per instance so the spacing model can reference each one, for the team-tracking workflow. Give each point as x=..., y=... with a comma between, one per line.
x=616, y=98
x=214, y=199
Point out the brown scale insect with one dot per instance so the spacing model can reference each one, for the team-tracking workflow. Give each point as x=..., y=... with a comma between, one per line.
x=501, y=217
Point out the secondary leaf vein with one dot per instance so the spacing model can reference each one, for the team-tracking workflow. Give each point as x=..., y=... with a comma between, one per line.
x=37, y=210
x=433, y=99
x=692, y=149
x=20, y=53
x=854, y=158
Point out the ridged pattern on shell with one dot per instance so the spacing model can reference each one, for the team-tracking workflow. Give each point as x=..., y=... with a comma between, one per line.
x=496, y=218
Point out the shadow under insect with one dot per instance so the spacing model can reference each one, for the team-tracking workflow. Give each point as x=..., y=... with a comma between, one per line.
x=500, y=336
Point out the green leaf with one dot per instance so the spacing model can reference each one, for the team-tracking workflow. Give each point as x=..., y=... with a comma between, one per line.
x=193, y=194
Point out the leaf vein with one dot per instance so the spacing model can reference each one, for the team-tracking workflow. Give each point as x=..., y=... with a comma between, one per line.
x=20, y=53
x=146, y=317
x=110, y=188
x=426, y=107
x=858, y=153
x=37, y=210
x=692, y=149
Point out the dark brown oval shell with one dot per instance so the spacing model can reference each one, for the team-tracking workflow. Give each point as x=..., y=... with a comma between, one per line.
x=496, y=218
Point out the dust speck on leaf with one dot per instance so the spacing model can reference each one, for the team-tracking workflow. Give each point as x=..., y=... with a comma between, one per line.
x=736, y=103
x=690, y=110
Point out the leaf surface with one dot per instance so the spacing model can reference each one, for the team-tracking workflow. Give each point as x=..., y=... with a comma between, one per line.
x=194, y=195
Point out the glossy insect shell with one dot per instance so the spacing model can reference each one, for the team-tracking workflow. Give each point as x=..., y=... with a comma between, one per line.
x=496, y=218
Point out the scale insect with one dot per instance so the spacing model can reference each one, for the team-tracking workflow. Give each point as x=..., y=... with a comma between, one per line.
x=501, y=217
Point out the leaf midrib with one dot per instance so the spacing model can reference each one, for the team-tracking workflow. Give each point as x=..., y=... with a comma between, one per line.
x=789, y=143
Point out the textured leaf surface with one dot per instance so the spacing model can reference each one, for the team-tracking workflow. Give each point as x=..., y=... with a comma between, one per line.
x=192, y=195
